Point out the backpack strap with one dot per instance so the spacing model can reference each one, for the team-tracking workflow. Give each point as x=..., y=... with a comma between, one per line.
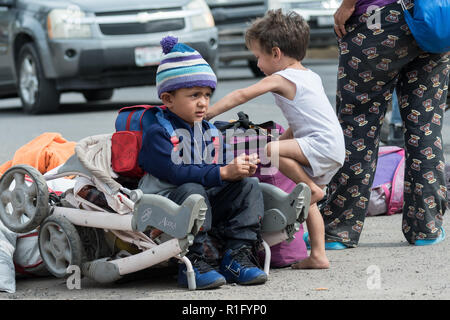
x=130, y=116
x=397, y=188
x=389, y=149
x=132, y=110
x=215, y=140
x=174, y=138
x=158, y=112
x=168, y=126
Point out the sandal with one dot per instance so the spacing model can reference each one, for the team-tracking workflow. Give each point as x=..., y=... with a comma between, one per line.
x=427, y=242
x=335, y=245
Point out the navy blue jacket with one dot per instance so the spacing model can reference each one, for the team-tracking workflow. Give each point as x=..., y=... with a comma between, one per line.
x=156, y=156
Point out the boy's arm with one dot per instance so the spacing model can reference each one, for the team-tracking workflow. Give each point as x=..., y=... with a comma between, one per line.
x=268, y=84
x=156, y=158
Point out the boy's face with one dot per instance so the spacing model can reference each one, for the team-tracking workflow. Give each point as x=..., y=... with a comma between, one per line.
x=266, y=62
x=190, y=104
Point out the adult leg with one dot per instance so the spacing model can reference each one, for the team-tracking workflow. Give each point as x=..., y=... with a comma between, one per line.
x=369, y=63
x=423, y=92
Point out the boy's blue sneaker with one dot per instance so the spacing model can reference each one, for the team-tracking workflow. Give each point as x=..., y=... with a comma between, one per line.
x=237, y=267
x=206, y=277
x=427, y=242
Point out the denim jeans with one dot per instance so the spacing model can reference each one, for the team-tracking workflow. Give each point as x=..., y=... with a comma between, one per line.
x=235, y=211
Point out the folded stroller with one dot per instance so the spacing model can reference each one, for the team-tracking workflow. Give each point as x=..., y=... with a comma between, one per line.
x=77, y=228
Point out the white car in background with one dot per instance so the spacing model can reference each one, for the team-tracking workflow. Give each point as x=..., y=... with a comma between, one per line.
x=318, y=13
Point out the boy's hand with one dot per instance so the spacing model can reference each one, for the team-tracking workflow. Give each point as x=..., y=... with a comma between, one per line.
x=253, y=162
x=241, y=167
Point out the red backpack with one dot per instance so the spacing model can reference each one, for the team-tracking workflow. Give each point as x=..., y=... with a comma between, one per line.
x=127, y=140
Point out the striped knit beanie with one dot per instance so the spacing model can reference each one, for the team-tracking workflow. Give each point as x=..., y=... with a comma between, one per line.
x=182, y=67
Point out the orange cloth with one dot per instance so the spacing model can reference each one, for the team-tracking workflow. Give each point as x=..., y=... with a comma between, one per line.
x=44, y=153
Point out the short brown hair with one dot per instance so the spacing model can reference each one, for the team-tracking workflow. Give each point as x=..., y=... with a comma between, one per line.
x=289, y=32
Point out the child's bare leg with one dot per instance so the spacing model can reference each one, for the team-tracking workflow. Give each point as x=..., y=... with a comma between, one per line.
x=289, y=156
x=317, y=258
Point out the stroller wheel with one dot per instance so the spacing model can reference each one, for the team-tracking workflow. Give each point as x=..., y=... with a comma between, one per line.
x=60, y=245
x=23, y=198
x=94, y=243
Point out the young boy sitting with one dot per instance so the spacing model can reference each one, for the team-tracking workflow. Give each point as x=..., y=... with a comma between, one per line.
x=312, y=149
x=185, y=83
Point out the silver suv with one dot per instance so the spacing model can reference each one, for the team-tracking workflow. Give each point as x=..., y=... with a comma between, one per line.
x=48, y=47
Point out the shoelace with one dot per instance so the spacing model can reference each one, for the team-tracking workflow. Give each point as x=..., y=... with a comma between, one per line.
x=201, y=265
x=243, y=257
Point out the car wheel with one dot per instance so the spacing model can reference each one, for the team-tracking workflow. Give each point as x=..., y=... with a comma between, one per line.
x=38, y=94
x=97, y=95
x=253, y=65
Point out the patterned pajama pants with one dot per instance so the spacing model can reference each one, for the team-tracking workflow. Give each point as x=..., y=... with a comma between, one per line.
x=372, y=62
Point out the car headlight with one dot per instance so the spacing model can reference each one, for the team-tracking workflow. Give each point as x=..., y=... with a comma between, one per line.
x=67, y=23
x=201, y=17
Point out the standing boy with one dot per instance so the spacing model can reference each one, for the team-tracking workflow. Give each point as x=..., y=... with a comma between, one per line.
x=312, y=148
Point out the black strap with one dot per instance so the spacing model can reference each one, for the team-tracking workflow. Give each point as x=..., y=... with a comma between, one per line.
x=244, y=123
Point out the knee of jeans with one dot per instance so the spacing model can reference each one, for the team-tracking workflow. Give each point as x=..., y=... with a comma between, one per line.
x=250, y=183
x=192, y=188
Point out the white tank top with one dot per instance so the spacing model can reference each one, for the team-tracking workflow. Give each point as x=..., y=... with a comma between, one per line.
x=311, y=115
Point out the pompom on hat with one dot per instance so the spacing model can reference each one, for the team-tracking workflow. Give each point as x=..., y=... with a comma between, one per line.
x=182, y=67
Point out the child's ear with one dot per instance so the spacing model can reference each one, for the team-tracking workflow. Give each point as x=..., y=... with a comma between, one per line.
x=276, y=52
x=167, y=99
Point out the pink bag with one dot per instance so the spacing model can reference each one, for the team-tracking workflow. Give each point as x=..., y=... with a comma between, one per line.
x=386, y=196
x=285, y=253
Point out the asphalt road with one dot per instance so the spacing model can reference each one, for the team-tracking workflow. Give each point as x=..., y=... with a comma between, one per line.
x=384, y=266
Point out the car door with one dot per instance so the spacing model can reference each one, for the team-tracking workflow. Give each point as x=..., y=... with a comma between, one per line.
x=6, y=17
